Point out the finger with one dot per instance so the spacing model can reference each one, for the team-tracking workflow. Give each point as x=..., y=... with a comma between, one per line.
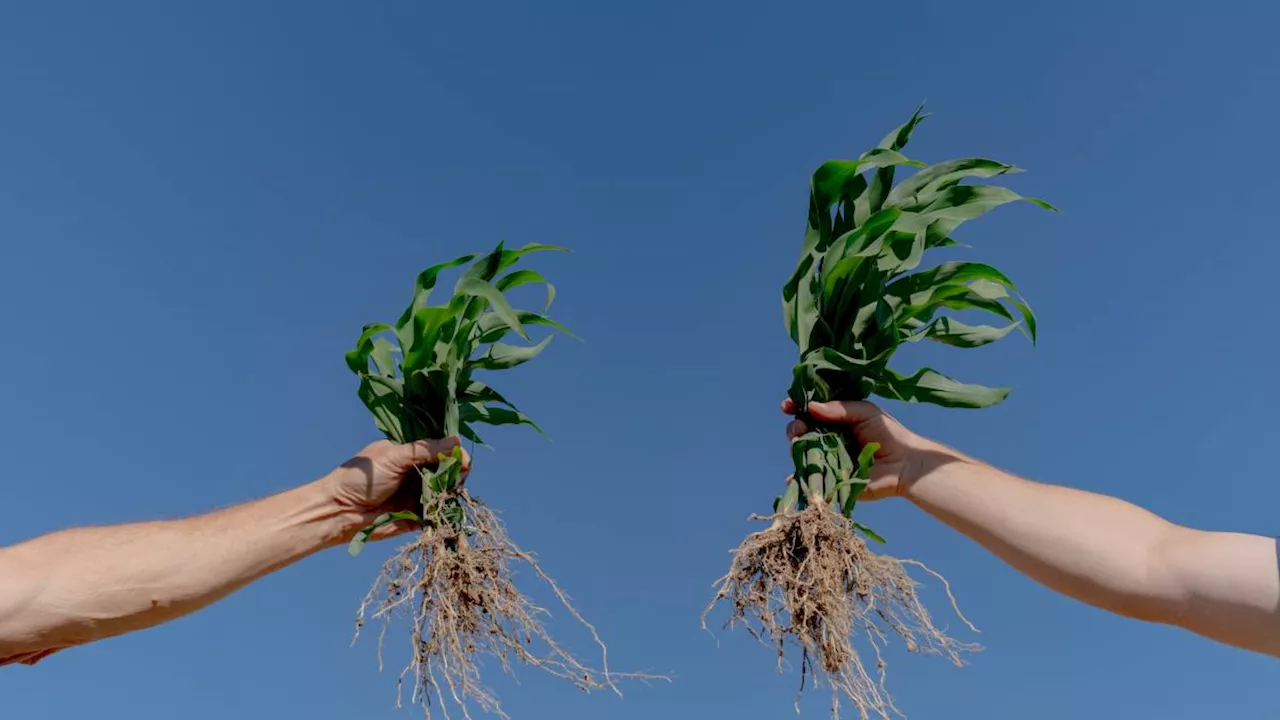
x=428, y=452
x=849, y=413
x=877, y=490
x=796, y=428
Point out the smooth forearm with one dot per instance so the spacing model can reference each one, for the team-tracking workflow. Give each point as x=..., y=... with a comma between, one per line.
x=1113, y=554
x=1093, y=548
x=85, y=584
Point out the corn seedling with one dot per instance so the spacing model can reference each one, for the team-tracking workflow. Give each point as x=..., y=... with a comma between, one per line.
x=856, y=297
x=453, y=580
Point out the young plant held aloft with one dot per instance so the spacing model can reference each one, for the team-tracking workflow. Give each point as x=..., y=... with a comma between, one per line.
x=453, y=579
x=856, y=296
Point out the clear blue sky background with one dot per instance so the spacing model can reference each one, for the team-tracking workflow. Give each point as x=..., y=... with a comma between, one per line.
x=200, y=205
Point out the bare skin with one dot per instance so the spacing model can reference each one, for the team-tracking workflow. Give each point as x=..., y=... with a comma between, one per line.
x=81, y=585
x=1093, y=548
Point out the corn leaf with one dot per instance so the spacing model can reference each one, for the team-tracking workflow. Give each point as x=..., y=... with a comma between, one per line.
x=872, y=534
x=425, y=283
x=383, y=356
x=421, y=386
x=362, y=537
x=835, y=179
x=501, y=356
x=473, y=412
x=491, y=328
x=953, y=332
x=929, y=386
x=873, y=200
x=858, y=292
x=524, y=277
x=497, y=301
x=921, y=188
x=358, y=359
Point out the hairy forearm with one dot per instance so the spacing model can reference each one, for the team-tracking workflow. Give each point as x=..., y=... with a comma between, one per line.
x=1112, y=554
x=77, y=586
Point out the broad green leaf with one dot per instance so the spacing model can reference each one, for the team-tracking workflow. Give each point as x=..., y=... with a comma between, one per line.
x=901, y=135
x=511, y=257
x=834, y=178
x=358, y=359
x=467, y=432
x=386, y=406
x=392, y=385
x=949, y=272
x=966, y=202
x=500, y=356
x=958, y=286
x=362, y=537
x=830, y=359
x=952, y=297
x=486, y=268
x=901, y=251
x=524, y=277
x=497, y=301
x=477, y=412
x=791, y=302
x=444, y=477
x=930, y=386
x=866, y=459
x=787, y=503
x=426, y=280
x=491, y=328
x=384, y=356
x=806, y=308
x=928, y=182
x=807, y=385
x=993, y=291
x=872, y=534
x=861, y=241
x=423, y=332
x=424, y=284
x=872, y=201
x=476, y=391
x=953, y=332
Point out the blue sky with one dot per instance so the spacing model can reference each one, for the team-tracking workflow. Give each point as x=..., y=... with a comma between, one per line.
x=200, y=205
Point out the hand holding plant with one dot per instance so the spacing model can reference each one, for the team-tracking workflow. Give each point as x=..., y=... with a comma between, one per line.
x=421, y=380
x=855, y=298
x=901, y=457
x=384, y=479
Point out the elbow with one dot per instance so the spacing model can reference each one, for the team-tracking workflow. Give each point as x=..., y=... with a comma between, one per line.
x=1163, y=594
x=1150, y=587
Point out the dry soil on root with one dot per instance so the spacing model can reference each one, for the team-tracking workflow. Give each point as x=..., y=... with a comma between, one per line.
x=457, y=591
x=811, y=580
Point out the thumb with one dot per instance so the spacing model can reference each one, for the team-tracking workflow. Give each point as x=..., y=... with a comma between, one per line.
x=424, y=452
x=848, y=412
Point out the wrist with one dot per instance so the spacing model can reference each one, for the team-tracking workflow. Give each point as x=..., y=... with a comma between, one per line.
x=935, y=464
x=334, y=522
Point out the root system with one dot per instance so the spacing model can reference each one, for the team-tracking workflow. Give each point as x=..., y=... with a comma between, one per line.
x=456, y=589
x=810, y=580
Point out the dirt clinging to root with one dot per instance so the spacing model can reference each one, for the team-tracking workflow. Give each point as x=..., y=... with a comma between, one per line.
x=811, y=580
x=457, y=591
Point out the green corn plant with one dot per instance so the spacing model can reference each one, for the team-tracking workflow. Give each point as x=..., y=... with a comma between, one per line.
x=858, y=294
x=418, y=377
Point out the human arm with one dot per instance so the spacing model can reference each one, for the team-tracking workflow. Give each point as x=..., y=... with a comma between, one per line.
x=80, y=585
x=1097, y=549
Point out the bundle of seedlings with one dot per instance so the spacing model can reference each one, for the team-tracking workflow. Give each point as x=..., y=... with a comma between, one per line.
x=856, y=296
x=453, y=580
